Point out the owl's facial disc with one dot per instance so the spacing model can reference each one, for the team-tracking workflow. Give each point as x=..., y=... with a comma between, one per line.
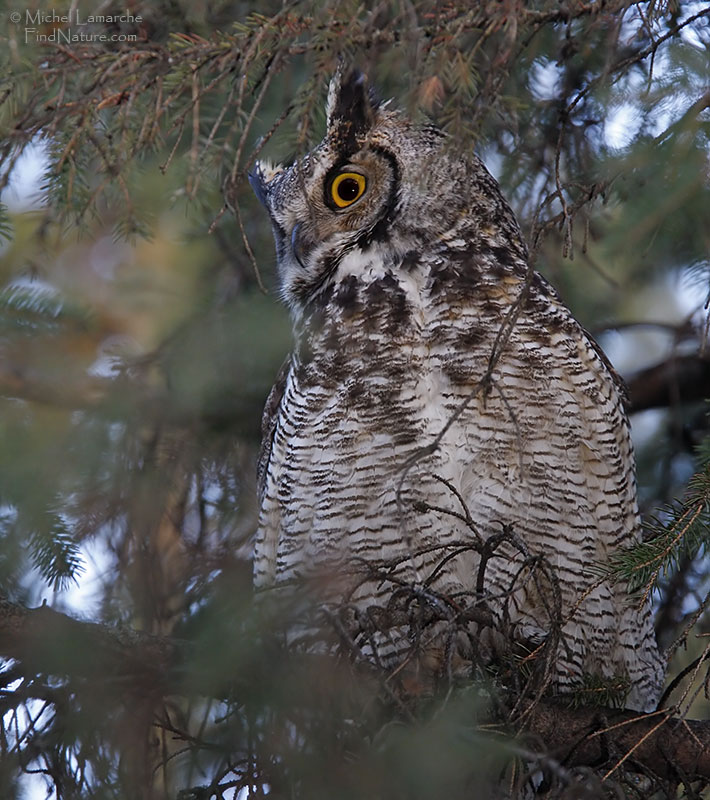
x=340, y=198
x=323, y=207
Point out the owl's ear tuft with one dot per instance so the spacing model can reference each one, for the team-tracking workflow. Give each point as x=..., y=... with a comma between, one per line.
x=351, y=107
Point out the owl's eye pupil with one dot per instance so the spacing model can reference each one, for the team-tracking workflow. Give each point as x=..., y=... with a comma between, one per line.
x=348, y=190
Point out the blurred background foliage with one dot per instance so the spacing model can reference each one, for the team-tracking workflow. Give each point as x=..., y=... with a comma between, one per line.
x=140, y=332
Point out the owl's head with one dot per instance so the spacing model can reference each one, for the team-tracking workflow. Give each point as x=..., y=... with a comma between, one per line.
x=375, y=190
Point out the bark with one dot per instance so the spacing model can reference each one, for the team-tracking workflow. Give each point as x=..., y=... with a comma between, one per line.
x=681, y=379
x=668, y=746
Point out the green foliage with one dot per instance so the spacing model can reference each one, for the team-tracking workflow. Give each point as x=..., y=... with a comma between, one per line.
x=66, y=181
x=5, y=224
x=55, y=553
x=31, y=309
x=680, y=531
x=596, y=690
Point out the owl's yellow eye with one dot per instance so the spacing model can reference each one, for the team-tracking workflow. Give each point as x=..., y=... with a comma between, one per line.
x=347, y=188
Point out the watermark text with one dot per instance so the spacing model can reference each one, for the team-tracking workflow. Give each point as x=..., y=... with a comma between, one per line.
x=73, y=26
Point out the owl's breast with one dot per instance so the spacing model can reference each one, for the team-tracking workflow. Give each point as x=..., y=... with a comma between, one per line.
x=368, y=390
x=393, y=389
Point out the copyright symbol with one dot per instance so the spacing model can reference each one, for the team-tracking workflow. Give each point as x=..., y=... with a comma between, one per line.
x=15, y=16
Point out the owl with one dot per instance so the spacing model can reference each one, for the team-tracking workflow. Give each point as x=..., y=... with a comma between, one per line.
x=444, y=428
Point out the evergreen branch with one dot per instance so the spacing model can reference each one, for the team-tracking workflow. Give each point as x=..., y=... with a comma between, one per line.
x=665, y=549
x=687, y=531
x=637, y=56
x=48, y=642
x=133, y=90
x=54, y=551
x=29, y=308
x=6, y=229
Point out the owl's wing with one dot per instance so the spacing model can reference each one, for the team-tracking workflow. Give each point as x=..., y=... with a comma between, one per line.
x=541, y=282
x=268, y=425
x=619, y=382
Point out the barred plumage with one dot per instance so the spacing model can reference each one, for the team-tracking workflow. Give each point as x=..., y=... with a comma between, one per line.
x=428, y=358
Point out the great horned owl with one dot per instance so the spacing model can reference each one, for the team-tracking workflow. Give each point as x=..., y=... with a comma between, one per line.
x=432, y=370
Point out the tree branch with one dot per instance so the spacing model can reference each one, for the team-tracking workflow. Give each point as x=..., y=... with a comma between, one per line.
x=585, y=736
x=117, y=397
x=21, y=382
x=49, y=642
x=680, y=379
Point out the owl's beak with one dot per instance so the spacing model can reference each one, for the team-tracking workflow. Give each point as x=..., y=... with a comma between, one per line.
x=256, y=181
